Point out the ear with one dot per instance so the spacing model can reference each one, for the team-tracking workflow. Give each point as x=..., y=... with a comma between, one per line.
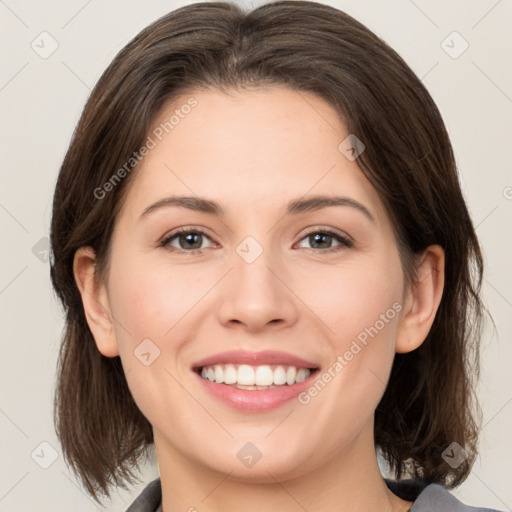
x=95, y=302
x=422, y=300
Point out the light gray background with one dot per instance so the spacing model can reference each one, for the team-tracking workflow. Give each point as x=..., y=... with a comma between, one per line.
x=40, y=102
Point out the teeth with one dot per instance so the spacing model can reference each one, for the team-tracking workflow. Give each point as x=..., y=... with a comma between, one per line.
x=245, y=376
x=291, y=373
x=279, y=376
x=264, y=376
x=219, y=374
x=302, y=374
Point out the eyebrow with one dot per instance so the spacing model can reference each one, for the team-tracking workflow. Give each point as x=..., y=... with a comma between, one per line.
x=294, y=207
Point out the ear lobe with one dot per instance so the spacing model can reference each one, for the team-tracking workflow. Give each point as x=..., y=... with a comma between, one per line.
x=95, y=302
x=422, y=300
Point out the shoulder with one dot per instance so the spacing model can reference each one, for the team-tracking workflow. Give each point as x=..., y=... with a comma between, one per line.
x=430, y=497
x=435, y=497
x=149, y=499
x=426, y=498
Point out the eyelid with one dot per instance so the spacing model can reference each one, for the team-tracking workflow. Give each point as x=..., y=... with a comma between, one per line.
x=327, y=229
x=345, y=239
x=342, y=237
x=184, y=229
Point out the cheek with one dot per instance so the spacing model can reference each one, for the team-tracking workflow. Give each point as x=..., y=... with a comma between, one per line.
x=360, y=302
x=150, y=300
x=360, y=314
x=154, y=306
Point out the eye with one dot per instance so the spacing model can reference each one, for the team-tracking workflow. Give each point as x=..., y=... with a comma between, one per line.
x=191, y=240
x=188, y=240
x=324, y=238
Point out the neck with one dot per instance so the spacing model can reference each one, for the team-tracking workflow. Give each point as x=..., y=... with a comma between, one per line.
x=350, y=481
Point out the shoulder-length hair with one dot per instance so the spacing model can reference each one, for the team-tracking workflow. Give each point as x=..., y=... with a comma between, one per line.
x=307, y=46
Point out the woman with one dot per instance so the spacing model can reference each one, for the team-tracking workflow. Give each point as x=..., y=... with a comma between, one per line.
x=327, y=308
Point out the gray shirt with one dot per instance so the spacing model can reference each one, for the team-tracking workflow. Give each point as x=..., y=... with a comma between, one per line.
x=426, y=498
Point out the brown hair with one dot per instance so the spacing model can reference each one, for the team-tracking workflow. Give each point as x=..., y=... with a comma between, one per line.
x=307, y=46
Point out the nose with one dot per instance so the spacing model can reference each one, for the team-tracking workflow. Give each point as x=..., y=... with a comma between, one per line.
x=256, y=296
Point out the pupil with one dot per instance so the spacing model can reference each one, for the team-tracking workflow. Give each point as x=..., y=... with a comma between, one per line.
x=319, y=236
x=189, y=239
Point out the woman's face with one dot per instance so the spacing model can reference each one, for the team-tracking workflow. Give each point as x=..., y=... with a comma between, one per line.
x=277, y=272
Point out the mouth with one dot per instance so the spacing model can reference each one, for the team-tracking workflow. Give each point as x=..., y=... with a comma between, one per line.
x=255, y=381
x=250, y=377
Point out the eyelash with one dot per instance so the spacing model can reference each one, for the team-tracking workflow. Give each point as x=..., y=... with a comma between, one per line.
x=344, y=241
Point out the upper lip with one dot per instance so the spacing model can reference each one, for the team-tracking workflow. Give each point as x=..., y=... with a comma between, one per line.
x=265, y=357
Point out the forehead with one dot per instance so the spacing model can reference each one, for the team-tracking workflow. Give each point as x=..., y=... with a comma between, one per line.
x=249, y=148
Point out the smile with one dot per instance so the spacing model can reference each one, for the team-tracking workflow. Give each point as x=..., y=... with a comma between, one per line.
x=251, y=381
x=249, y=377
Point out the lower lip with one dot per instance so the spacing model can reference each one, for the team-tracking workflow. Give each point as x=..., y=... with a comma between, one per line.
x=253, y=399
